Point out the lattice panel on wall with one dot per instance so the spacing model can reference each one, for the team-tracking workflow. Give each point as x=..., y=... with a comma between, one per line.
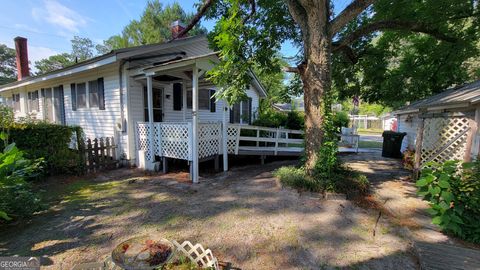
x=444, y=139
x=143, y=130
x=232, y=133
x=175, y=141
x=209, y=139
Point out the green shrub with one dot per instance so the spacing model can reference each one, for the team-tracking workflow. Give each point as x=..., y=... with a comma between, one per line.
x=48, y=141
x=16, y=196
x=454, y=197
x=270, y=118
x=295, y=120
x=340, y=119
x=296, y=178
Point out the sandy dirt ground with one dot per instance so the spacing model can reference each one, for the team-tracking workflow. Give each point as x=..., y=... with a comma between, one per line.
x=244, y=216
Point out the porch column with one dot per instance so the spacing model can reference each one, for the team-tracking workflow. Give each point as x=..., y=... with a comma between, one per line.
x=195, y=124
x=225, y=136
x=150, y=116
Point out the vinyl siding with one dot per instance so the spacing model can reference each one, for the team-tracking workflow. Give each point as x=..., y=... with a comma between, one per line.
x=95, y=123
x=409, y=126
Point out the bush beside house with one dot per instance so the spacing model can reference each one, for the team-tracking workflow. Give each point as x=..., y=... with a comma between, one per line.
x=17, y=198
x=45, y=140
x=454, y=197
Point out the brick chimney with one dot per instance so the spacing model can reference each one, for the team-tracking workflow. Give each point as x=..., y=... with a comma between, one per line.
x=23, y=71
x=176, y=28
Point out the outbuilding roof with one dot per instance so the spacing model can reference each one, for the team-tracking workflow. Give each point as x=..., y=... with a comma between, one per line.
x=457, y=97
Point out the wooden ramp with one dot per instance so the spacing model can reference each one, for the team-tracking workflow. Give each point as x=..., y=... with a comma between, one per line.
x=447, y=257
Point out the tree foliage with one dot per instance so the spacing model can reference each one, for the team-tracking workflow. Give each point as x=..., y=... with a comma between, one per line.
x=154, y=26
x=82, y=49
x=8, y=68
x=395, y=66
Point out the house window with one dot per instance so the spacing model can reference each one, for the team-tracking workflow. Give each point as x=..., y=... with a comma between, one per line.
x=81, y=95
x=16, y=102
x=241, y=112
x=33, y=105
x=205, y=101
x=157, y=96
x=93, y=93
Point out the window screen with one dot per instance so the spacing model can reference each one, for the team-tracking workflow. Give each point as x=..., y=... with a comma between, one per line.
x=93, y=93
x=81, y=95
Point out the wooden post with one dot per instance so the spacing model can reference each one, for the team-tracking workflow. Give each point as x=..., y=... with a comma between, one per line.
x=470, y=137
x=418, y=148
x=258, y=136
x=165, y=164
x=217, y=163
x=114, y=149
x=225, y=136
x=150, y=118
x=95, y=153
x=89, y=154
x=102, y=154
x=195, y=123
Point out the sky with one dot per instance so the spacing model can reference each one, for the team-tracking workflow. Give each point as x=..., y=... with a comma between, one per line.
x=49, y=25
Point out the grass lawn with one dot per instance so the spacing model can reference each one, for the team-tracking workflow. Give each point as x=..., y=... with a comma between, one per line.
x=370, y=131
x=244, y=216
x=370, y=144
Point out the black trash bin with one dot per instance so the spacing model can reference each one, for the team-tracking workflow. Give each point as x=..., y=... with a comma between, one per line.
x=392, y=142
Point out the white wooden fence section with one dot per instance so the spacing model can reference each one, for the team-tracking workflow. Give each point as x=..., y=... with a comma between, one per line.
x=263, y=140
x=174, y=140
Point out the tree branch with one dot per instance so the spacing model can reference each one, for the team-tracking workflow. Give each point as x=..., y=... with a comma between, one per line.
x=392, y=25
x=252, y=11
x=349, y=13
x=201, y=12
x=290, y=69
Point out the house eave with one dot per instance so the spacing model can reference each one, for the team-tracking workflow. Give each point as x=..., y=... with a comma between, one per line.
x=84, y=66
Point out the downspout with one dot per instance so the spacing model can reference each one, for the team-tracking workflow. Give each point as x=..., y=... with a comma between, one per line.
x=122, y=110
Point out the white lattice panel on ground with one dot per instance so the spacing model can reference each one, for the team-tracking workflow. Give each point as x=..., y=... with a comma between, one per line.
x=209, y=139
x=444, y=139
x=232, y=134
x=143, y=130
x=197, y=254
x=157, y=140
x=175, y=140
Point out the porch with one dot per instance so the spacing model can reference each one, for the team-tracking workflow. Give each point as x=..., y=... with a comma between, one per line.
x=163, y=140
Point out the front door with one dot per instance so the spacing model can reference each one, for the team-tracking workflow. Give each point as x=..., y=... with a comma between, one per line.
x=157, y=104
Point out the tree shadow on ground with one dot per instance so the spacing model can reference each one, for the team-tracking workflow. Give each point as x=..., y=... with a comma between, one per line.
x=244, y=216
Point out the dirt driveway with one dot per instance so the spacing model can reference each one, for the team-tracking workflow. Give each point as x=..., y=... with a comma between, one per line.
x=245, y=217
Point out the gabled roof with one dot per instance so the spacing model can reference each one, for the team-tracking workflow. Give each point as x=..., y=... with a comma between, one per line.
x=456, y=97
x=109, y=58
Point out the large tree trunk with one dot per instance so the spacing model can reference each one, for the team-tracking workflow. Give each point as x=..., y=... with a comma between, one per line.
x=312, y=17
x=316, y=82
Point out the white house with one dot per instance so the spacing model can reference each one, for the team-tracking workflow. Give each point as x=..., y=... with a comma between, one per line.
x=443, y=126
x=153, y=99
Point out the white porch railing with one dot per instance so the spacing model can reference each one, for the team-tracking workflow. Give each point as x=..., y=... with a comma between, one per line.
x=263, y=140
x=174, y=140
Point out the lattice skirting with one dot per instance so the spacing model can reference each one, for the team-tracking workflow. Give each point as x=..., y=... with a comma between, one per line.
x=444, y=139
x=174, y=140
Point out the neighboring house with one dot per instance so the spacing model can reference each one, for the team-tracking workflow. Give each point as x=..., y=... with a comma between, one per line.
x=443, y=126
x=295, y=105
x=116, y=94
